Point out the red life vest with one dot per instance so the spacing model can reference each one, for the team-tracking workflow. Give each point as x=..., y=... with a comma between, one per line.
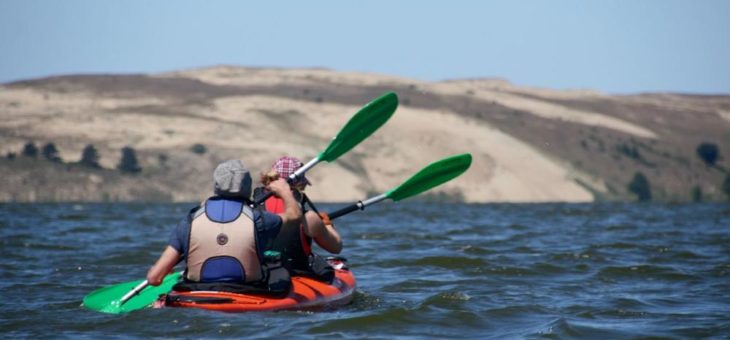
x=275, y=205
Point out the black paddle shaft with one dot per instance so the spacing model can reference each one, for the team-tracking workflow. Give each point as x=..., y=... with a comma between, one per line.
x=346, y=210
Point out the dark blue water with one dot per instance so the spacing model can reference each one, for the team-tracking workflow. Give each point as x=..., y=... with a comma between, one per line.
x=423, y=270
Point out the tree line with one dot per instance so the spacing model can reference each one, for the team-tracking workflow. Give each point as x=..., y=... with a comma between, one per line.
x=89, y=156
x=709, y=153
x=639, y=185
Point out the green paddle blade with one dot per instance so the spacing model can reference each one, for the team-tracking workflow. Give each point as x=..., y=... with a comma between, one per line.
x=107, y=299
x=372, y=116
x=433, y=175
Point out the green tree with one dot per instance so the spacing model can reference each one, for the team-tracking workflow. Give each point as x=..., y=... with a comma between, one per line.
x=51, y=153
x=708, y=152
x=199, y=149
x=30, y=150
x=640, y=186
x=697, y=194
x=629, y=151
x=129, y=163
x=726, y=186
x=90, y=157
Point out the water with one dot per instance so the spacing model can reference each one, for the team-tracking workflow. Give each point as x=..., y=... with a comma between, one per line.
x=423, y=270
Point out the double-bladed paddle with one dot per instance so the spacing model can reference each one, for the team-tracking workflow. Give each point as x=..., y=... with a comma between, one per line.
x=431, y=176
x=372, y=116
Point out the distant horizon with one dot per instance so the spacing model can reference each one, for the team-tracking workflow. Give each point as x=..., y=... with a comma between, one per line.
x=353, y=71
x=651, y=46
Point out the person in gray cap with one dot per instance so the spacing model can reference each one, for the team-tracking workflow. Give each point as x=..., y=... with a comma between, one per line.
x=223, y=240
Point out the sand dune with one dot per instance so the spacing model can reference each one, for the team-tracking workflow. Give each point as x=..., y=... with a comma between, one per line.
x=258, y=114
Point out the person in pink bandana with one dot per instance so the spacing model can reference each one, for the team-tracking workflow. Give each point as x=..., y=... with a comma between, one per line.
x=295, y=242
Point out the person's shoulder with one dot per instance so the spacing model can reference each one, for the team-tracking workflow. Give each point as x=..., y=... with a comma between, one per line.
x=262, y=213
x=196, y=210
x=267, y=218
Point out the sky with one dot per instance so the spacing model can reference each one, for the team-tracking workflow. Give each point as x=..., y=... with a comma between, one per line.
x=613, y=46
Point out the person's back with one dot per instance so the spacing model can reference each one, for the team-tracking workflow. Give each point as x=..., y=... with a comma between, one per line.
x=294, y=242
x=223, y=240
x=222, y=243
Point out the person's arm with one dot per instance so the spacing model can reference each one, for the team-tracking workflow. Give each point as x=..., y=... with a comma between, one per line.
x=163, y=266
x=173, y=253
x=292, y=212
x=321, y=229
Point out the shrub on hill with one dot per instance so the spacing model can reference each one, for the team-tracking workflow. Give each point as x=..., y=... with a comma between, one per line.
x=198, y=149
x=697, y=194
x=628, y=151
x=90, y=157
x=708, y=152
x=30, y=150
x=51, y=153
x=640, y=186
x=129, y=163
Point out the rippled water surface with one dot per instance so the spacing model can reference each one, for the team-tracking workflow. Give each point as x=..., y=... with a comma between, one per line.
x=423, y=270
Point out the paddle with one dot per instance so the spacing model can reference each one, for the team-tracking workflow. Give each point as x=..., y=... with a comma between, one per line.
x=372, y=116
x=431, y=176
x=128, y=296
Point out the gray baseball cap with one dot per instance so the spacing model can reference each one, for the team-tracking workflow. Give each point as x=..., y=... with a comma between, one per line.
x=232, y=179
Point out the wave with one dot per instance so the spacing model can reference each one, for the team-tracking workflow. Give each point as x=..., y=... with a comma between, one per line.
x=644, y=272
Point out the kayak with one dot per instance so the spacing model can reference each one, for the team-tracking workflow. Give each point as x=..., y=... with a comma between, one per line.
x=306, y=293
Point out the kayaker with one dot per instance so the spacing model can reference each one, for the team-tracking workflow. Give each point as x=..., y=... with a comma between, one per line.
x=294, y=242
x=223, y=240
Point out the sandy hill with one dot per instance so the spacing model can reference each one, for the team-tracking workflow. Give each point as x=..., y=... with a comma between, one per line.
x=529, y=144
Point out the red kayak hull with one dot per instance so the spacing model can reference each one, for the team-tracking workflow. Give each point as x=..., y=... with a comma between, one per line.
x=306, y=293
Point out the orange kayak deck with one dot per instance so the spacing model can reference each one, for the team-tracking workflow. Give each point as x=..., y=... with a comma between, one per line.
x=306, y=293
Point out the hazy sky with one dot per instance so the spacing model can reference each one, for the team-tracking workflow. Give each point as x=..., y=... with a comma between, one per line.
x=613, y=46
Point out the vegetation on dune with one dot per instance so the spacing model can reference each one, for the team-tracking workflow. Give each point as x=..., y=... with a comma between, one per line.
x=640, y=187
x=697, y=194
x=129, y=163
x=51, y=153
x=708, y=153
x=90, y=157
x=198, y=149
x=30, y=150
